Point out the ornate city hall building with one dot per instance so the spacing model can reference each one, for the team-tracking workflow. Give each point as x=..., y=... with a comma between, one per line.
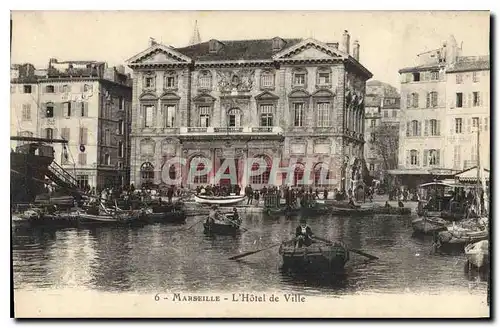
x=294, y=100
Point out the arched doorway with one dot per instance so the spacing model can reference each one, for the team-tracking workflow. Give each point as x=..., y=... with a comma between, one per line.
x=263, y=178
x=298, y=174
x=147, y=173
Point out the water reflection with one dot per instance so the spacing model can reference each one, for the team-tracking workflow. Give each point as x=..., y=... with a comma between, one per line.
x=162, y=258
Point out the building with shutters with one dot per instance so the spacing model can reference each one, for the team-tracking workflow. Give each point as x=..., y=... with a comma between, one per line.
x=231, y=101
x=86, y=103
x=382, y=115
x=439, y=102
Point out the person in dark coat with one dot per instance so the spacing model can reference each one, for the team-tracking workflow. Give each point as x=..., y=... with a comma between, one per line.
x=303, y=234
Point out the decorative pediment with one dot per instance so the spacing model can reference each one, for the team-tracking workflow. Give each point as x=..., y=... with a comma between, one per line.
x=323, y=94
x=266, y=95
x=310, y=49
x=169, y=96
x=159, y=54
x=204, y=98
x=299, y=94
x=148, y=96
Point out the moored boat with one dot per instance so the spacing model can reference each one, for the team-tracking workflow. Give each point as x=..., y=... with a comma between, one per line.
x=172, y=216
x=369, y=211
x=469, y=231
x=428, y=225
x=477, y=254
x=128, y=218
x=316, y=258
x=219, y=200
x=39, y=217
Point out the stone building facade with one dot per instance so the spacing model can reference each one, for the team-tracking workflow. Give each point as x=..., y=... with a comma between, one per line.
x=86, y=103
x=283, y=101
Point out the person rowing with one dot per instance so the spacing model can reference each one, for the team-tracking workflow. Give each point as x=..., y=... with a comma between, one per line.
x=303, y=234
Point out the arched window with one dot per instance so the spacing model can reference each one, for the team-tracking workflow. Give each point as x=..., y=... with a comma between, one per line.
x=321, y=174
x=433, y=157
x=147, y=173
x=234, y=117
x=205, y=80
x=263, y=178
x=434, y=127
x=49, y=109
x=107, y=159
x=172, y=172
x=298, y=174
x=414, y=100
x=49, y=133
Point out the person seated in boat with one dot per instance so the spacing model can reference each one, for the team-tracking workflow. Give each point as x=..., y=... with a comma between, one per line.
x=351, y=202
x=303, y=234
x=236, y=216
x=387, y=205
x=400, y=204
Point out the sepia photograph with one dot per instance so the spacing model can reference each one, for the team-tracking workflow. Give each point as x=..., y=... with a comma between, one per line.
x=250, y=164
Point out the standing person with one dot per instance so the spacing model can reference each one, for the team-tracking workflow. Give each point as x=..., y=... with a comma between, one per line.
x=303, y=234
x=249, y=194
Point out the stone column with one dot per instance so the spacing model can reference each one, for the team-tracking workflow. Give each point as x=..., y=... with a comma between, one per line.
x=159, y=121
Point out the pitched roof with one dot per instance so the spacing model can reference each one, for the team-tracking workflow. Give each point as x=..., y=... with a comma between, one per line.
x=235, y=50
x=465, y=64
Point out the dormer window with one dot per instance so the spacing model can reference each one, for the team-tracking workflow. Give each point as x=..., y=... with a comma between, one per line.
x=214, y=46
x=278, y=43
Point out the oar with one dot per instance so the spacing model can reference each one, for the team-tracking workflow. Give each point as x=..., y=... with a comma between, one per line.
x=357, y=251
x=252, y=252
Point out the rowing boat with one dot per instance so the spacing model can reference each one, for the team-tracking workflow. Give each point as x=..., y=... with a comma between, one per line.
x=316, y=258
x=370, y=211
x=477, y=254
x=219, y=200
x=468, y=231
x=222, y=227
x=428, y=225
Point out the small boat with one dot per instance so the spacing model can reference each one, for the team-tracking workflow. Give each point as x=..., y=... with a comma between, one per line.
x=316, y=258
x=133, y=217
x=477, y=254
x=225, y=226
x=39, y=217
x=469, y=231
x=171, y=216
x=429, y=225
x=341, y=211
x=219, y=200
x=289, y=211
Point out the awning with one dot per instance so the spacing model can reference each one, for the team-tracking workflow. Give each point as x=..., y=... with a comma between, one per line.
x=470, y=175
x=407, y=172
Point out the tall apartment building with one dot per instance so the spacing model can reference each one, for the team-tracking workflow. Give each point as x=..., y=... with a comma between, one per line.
x=84, y=102
x=240, y=99
x=468, y=108
x=440, y=103
x=382, y=107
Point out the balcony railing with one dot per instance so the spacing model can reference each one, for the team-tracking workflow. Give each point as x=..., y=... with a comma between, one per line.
x=231, y=130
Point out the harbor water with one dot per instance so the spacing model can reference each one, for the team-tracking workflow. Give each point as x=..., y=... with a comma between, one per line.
x=159, y=257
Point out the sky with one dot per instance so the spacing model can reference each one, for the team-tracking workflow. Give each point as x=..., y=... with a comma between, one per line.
x=389, y=40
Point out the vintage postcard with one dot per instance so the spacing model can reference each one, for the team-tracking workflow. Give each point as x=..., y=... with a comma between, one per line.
x=250, y=164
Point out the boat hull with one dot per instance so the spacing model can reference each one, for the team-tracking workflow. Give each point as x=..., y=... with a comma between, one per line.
x=316, y=258
x=458, y=239
x=477, y=254
x=428, y=226
x=341, y=211
x=220, y=229
x=165, y=217
x=124, y=219
x=214, y=200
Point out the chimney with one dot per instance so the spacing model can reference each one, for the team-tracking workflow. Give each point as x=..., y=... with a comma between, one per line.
x=355, y=50
x=346, y=40
x=152, y=42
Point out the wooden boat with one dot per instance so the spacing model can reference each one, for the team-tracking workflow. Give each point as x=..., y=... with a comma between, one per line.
x=469, y=231
x=370, y=211
x=316, y=258
x=477, y=254
x=222, y=227
x=39, y=217
x=172, y=216
x=428, y=225
x=290, y=211
x=117, y=218
x=219, y=200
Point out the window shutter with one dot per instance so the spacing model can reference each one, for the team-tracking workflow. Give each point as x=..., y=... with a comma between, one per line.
x=57, y=109
x=469, y=100
x=485, y=124
x=428, y=103
x=85, y=109
x=486, y=99
x=418, y=158
x=452, y=126
x=469, y=125
x=438, y=127
x=408, y=128
x=408, y=158
x=438, y=152
x=426, y=157
x=419, y=128
x=426, y=128
x=408, y=100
